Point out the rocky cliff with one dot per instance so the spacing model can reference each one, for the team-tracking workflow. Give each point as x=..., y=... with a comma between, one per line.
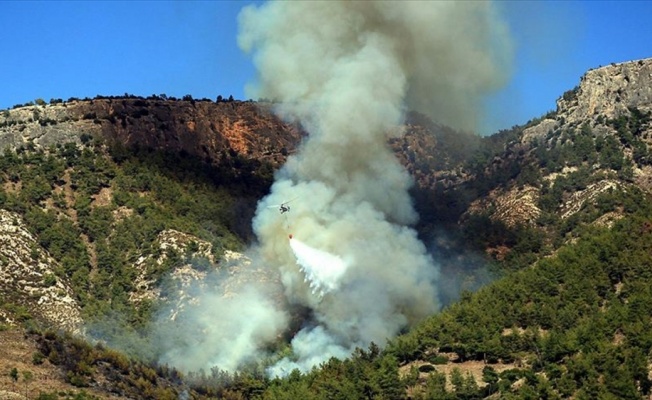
x=205, y=129
x=603, y=93
x=600, y=130
x=214, y=131
x=609, y=91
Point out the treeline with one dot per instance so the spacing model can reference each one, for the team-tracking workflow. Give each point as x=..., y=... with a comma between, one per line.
x=153, y=97
x=579, y=320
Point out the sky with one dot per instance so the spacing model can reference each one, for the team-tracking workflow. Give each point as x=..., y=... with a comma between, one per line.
x=63, y=49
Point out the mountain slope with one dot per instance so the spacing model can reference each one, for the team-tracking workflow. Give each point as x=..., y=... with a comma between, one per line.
x=122, y=201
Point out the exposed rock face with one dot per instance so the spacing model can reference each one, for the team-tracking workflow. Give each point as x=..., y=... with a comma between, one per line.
x=217, y=132
x=609, y=91
x=40, y=125
x=539, y=131
x=205, y=129
x=517, y=206
x=196, y=271
x=27, y=276
x=578, y=199
x=603, y=95
x=178, y=243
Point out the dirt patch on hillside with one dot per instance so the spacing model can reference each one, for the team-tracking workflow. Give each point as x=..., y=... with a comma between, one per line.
x=12, y=187
x=103, y=198
x=468, y=367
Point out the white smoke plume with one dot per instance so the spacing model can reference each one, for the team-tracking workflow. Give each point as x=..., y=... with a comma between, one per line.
x=220, y=331
x=347, y=71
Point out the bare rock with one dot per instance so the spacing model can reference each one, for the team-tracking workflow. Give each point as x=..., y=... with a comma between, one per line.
x=27, y=276
x=516, y=206
x=609, y=91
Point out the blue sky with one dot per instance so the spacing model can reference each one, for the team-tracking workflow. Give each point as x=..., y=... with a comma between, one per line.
x=59, y=49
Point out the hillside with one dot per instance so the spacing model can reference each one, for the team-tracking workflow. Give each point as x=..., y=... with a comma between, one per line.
x=564, y=210
x=114, y=209
x=132, y=203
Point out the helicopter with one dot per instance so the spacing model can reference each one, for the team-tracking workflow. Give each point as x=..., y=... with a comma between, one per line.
x=283, y=207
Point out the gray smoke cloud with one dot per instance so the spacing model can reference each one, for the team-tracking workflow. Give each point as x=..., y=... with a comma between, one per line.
x=439, y=58
x=220, y=331
x=347, y=71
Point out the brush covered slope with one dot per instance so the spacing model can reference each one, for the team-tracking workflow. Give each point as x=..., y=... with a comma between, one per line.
x=121, y=202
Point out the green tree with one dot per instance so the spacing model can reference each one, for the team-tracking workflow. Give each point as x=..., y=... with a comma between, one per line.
x=436, y=387
x=27, y=378
x=13, y=374
x=457, y=380
x=489, y=375
x=388, y=380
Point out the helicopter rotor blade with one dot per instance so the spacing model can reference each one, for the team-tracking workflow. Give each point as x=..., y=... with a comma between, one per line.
x=286, y=202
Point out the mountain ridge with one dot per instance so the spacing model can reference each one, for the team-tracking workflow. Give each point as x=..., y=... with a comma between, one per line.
x=106, y=168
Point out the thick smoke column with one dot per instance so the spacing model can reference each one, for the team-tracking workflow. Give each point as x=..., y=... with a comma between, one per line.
x=347, y=71
x=355, y=269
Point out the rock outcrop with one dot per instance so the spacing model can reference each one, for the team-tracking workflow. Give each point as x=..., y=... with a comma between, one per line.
x=27, y=277
x=604, y=96
x=517, y=206
x=195, y=270
x=186, y=248
x=609, y=91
